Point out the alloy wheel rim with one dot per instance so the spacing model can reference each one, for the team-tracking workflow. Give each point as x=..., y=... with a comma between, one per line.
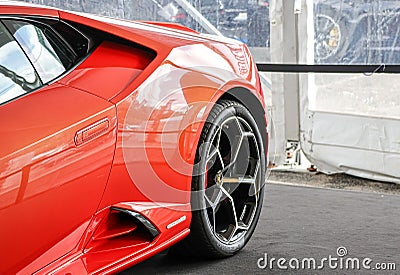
x=328, y=37
x=232, y=180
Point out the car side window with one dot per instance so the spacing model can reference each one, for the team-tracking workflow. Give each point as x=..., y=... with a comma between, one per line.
x=17, y=75
x=45, y=49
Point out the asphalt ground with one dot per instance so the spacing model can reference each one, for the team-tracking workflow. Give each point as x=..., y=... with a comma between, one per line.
x=308, y=216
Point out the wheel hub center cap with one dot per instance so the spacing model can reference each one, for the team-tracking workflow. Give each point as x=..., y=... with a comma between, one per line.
x=219, y=178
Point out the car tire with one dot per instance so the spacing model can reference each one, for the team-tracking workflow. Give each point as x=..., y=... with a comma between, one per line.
x=227, y=185
x=329, y=38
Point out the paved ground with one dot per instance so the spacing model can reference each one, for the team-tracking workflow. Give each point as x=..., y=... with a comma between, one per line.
x=337, y=181
x=302, y=222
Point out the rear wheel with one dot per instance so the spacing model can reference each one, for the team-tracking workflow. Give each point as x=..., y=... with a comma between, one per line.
x=227, y=187
x=328, y=38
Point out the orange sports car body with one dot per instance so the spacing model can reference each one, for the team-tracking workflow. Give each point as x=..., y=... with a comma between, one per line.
x=101, y=119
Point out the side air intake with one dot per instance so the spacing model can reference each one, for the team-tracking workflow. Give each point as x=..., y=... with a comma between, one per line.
x=122, y=228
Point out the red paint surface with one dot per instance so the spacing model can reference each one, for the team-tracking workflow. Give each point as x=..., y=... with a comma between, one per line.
x=56, y=193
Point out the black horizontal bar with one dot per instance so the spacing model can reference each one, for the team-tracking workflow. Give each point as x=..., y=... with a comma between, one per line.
x=295, y=68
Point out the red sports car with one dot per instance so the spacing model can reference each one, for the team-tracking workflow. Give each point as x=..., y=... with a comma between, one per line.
x=121, y=139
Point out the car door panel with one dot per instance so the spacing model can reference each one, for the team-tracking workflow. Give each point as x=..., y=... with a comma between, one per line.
x=50, y=184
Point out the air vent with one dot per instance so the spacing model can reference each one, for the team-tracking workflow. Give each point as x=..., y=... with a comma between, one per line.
x=122, y=228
